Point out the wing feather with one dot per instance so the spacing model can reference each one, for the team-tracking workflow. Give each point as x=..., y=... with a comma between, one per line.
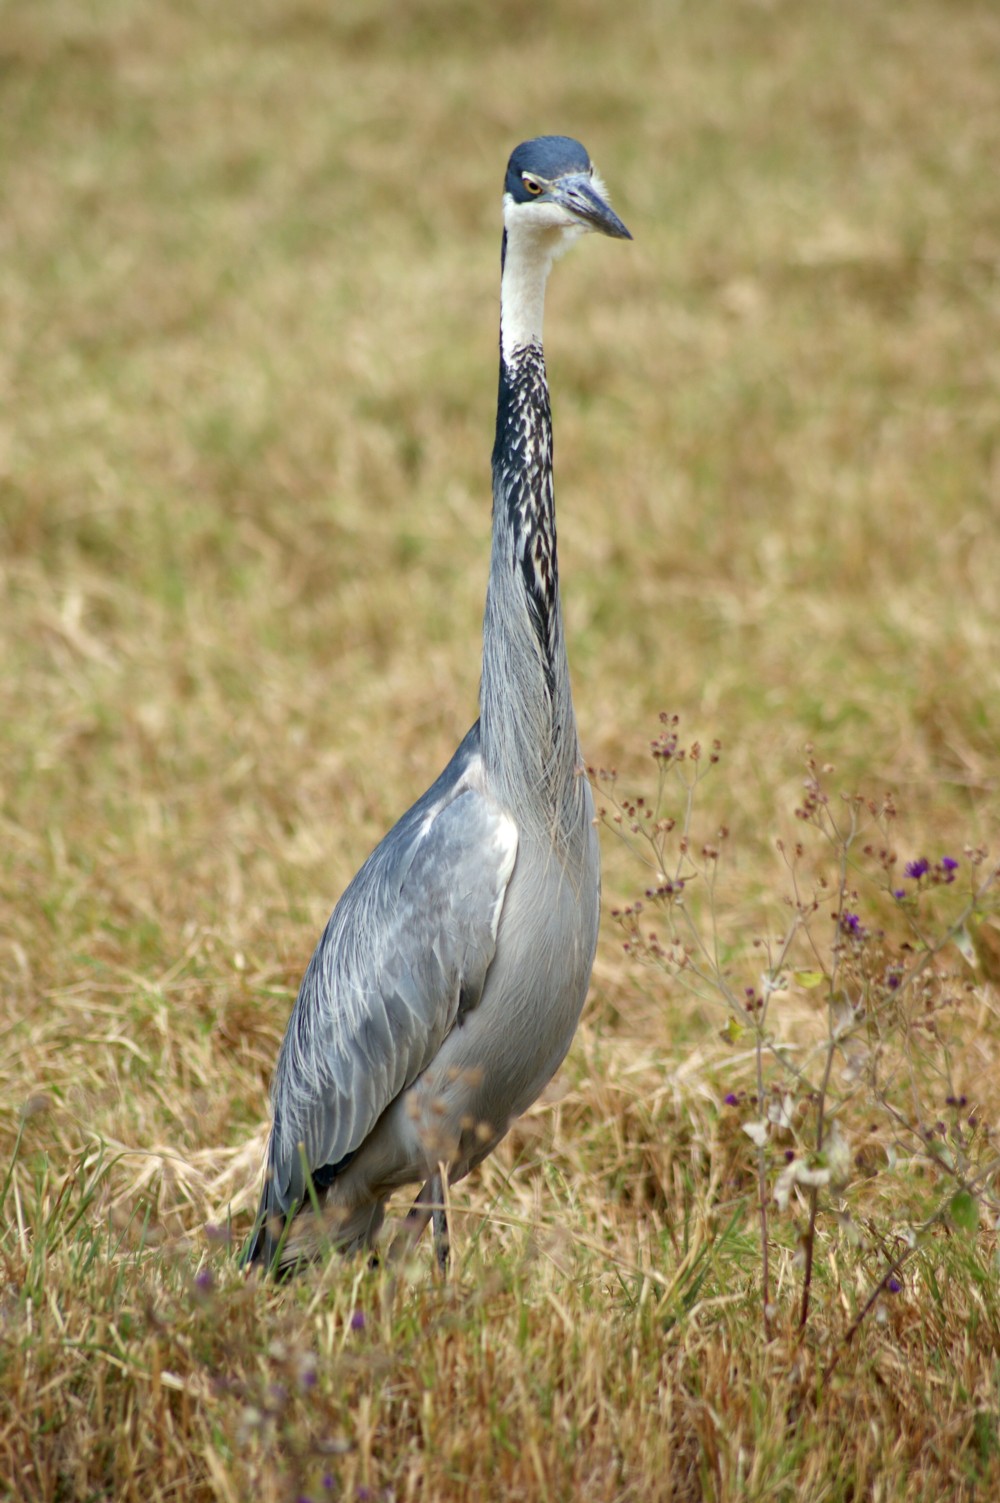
x=407, y=946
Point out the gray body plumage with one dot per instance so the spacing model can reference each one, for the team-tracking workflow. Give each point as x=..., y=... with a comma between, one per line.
x=447, y=985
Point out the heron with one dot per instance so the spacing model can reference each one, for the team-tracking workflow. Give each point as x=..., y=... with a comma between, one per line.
x=448, y=983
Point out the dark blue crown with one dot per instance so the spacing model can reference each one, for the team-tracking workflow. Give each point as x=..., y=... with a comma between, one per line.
x=548, y=156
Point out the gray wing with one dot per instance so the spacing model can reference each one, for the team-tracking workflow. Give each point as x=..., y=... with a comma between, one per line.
x=406, y=950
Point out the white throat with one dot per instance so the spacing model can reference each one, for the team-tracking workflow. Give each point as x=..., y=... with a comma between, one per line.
x=536, y=234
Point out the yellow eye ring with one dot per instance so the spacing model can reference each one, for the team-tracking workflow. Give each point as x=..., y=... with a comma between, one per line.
x=530, y=184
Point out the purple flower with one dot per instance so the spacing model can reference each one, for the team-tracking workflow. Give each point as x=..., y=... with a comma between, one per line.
x=732, y=1099
x=893, y=1285
x=358, y=1320
x=852, y=925
x=899, y=892
x=917, y=869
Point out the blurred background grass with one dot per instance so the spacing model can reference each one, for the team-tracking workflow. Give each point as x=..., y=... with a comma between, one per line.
x=247, y=377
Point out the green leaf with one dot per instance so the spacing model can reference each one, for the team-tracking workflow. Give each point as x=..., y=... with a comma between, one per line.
x=964, y=1210
x=733, y=1031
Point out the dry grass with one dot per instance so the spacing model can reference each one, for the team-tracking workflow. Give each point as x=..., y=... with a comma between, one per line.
x=248, y=300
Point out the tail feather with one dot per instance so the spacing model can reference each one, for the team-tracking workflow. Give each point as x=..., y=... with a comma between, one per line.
x=282, y=1241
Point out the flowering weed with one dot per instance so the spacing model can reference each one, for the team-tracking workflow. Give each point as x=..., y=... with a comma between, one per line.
x=849, y=1015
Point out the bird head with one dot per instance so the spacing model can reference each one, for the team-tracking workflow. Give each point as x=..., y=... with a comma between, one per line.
x=552, y=189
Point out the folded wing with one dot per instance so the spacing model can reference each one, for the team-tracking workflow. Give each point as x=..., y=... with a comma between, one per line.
x=404, y=955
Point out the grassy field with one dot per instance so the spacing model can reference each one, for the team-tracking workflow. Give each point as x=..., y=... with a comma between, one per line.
x=249, y=266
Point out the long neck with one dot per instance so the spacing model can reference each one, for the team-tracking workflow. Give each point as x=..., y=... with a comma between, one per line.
x=528, y=733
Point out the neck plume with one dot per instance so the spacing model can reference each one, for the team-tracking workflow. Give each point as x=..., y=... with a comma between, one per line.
x=528, y=733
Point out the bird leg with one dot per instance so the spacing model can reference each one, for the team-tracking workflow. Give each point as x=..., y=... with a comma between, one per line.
x=439, y=1220
x=428, y=1206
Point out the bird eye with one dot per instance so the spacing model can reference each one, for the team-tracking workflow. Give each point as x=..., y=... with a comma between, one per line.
x=531, y=185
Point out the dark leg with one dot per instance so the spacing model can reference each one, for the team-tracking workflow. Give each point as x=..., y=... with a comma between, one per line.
x=428, y=1206
x=439, y=1218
